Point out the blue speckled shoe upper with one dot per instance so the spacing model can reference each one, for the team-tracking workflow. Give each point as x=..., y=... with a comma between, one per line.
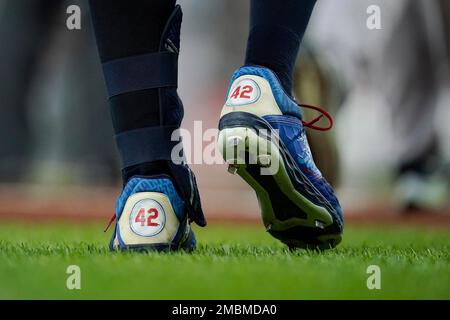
x=292, y=133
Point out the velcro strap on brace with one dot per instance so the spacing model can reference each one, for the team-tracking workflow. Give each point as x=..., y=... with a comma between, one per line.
x=147, y=145
x=147, y=71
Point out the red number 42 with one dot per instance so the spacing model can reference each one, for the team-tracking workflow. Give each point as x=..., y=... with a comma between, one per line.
x=246, y=90
x=153, y=214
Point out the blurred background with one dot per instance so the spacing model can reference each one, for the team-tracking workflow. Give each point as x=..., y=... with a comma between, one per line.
x=388, y=90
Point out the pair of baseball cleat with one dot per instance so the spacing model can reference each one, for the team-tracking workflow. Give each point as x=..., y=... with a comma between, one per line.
x=262, y=138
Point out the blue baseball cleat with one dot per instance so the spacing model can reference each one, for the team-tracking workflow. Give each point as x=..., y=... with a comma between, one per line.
x=154, y=213
x=262, y=138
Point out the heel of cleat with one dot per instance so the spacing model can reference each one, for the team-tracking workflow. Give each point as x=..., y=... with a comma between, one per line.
x=151, y=217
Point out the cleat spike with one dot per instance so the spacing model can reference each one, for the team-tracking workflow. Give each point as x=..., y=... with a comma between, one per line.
x=264, y=161
x=232, y=169
x=320, y=225
x=234, y=141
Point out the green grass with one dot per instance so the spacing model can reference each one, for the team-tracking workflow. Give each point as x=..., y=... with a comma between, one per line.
x=233, y=261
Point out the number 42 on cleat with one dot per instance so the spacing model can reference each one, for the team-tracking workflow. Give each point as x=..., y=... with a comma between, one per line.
x=147, y=220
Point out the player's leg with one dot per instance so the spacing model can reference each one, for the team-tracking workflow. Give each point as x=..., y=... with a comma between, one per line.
x=25, y=27
x=138, y=43
x=276, y=31
x=262, y=133
x=421, y=181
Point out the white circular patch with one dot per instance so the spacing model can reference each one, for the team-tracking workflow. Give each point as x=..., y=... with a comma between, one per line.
x=246, y=91
x=147, y=218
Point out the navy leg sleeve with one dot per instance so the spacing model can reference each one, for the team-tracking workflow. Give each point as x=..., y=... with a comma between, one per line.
x=276, y=31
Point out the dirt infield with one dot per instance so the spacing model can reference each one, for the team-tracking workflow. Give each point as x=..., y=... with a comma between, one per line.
x=81, y=205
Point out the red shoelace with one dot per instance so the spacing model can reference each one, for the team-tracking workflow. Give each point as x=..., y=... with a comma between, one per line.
x=323, y=113
x=308, y=124
x=113, y=218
